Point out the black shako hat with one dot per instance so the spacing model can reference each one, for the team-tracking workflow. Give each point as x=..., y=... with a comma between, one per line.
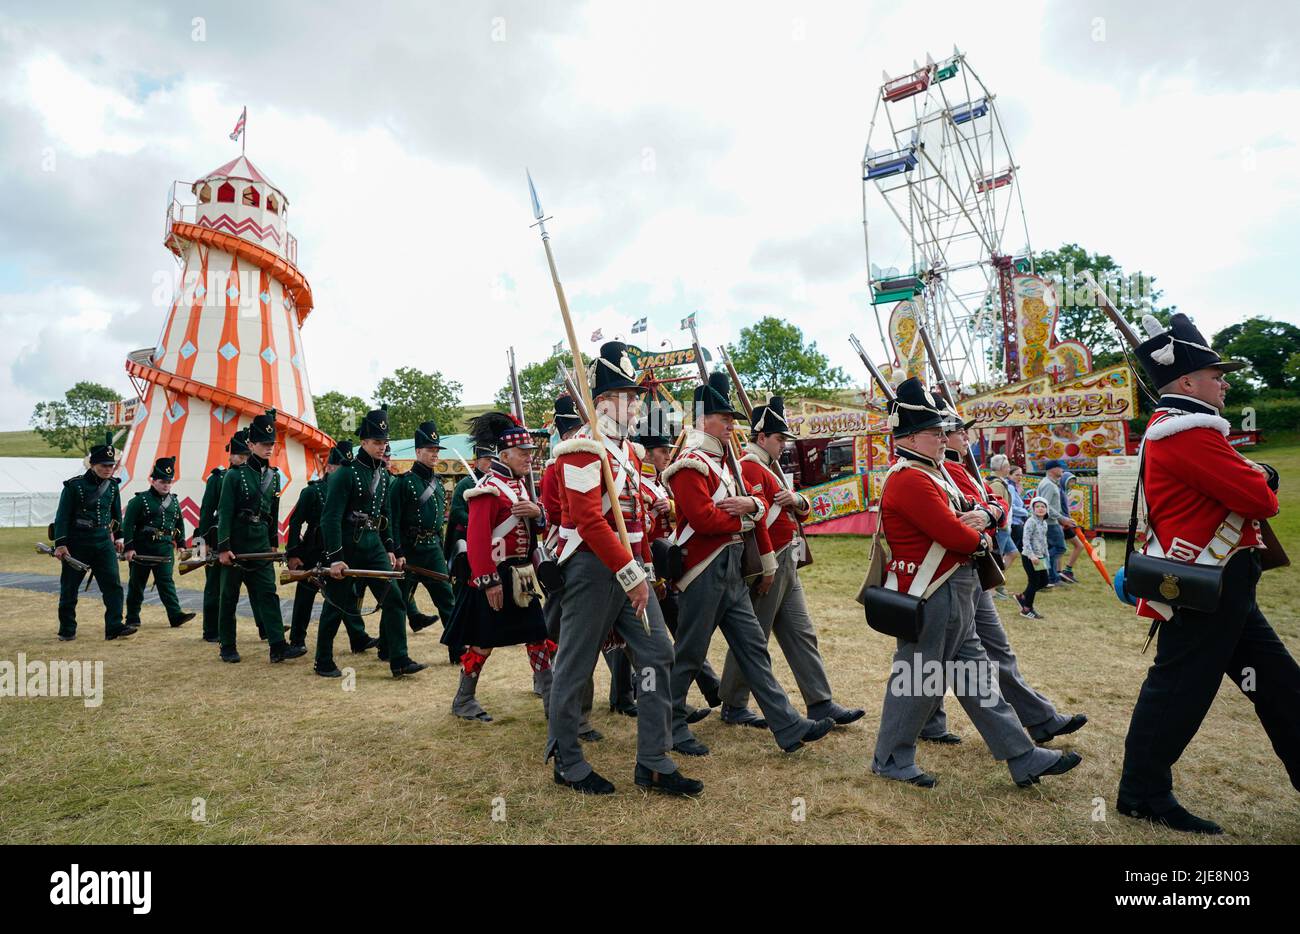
x=238, y=442
x=612, y=370
x=426, y=436
x=262, y=429
x=497, y=431
x=566, y=415
x=914, y=409
x=714, y=397
x=1169, y=354
x=770, y=418
x=341, y=453
x=104, y=453
x=658, y=428
x=164, y=468
x=374, y=425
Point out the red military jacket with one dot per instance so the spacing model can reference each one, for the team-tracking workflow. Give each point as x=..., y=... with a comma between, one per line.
x=758, y=470
x=699, y=478
x=551, y=506
x=494, y=535
x=1203, y=498
x=659, y=525
x=978, y=492
x=586, y=513
x=918, y=509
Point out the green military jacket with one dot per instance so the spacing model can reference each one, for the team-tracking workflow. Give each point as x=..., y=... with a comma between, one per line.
x=416, y=514
x=88, y=507
x=208, y=508
x=356, y=502
x=248, y=515
x=307, y=511
x=152, y=523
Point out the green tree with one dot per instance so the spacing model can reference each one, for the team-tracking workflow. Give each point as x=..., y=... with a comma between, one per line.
x=1267, y=345
x=771, y=357
x=1293, y=368
x=338, y=415
x=539, y=385
x=1080, y=318
x=79, y=420
x=414, y=396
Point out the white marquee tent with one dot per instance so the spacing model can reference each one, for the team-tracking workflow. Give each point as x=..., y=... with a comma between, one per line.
x=30, y=487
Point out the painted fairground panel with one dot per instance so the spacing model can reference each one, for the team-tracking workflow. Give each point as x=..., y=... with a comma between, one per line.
x=838, y=498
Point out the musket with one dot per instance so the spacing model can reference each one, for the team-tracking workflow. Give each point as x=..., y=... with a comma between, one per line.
x=584, y=392
x=567, y=378
x=1272, y=547
x=70, y=561
x=779, y=473
x=946, y=390
x=426, y=572
x=751, y=562
x=214, y=558
x=151, y=560
x=885, y=388
x=317, y=573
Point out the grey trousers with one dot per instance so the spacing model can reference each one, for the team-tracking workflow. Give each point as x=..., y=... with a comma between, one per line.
x=719, y=599
x=593, y=603
x=1035, y=711
x=948, y=635
x=782, y=612
x=554, y=615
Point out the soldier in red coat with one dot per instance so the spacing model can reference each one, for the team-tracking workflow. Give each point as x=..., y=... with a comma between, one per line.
x=1036, y=712
x=606, y=590
x=782, y=610
x=1204, y=503
x=567, y=423
x=714, y=509
x=931, y=537
x=656, y=434
x=501, y=606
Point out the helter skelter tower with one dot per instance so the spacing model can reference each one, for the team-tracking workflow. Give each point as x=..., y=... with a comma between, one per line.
x=231, y=346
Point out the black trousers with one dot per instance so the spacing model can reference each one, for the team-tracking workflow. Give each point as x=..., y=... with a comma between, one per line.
x=1037, y=580
x=1194, y=651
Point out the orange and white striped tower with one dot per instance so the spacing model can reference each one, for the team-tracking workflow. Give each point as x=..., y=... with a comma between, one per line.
x=231, y=346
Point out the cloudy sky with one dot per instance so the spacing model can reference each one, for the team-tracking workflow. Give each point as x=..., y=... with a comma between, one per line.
x=694, y=156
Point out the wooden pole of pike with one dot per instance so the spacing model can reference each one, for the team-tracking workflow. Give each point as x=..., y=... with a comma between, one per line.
x=580, y=374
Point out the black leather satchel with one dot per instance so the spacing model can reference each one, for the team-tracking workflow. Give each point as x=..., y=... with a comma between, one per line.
x=551, y=575
x=893, y=613
x=1178, y=583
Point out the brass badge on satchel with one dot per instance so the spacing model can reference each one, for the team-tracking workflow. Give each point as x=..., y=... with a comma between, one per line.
x=1169, y=587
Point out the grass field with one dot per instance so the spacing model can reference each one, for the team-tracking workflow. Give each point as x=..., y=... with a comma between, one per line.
x=28, y=444
x=278, y=755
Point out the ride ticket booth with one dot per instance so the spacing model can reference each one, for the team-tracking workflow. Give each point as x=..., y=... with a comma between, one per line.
x=838, y=457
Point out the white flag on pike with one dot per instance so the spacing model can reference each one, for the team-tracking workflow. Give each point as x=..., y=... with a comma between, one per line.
x=596, y=335
x=558, y=348
x=639, y=326
x=688, y=321
x=239, y=124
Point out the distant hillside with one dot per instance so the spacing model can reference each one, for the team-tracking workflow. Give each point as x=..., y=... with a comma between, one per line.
x=28, y=444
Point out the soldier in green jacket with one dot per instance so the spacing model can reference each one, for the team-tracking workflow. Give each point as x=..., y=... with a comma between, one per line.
x=415, y=507
x=306, y=549
x=207, y=534
x=358, y=534
x=87, y=527
x=248, y=518
x=151, y=527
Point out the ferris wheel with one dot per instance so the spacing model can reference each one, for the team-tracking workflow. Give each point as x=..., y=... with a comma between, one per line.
x=938, y=168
